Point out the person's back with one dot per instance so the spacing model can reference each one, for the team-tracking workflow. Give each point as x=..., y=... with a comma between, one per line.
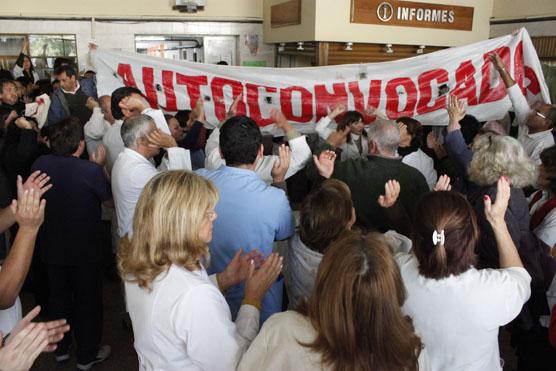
x=351, y=321
x=458, y=317
x=457, y=309
x=70, y=241
x=251, y=214
x=366, y=179
x=72, y=220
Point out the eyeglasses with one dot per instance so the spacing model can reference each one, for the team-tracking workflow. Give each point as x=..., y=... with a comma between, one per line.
x=540, y=114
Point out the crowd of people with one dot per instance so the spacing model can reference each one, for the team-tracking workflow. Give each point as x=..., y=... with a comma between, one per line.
x=408, y=249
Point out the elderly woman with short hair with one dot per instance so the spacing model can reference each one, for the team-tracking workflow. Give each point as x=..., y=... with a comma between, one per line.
x=495, y=156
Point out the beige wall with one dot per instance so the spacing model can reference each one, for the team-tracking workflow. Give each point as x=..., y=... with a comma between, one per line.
x=215, y=9
x=333, y=25
x=508, y=9
x=331, y=22
x=303, y=32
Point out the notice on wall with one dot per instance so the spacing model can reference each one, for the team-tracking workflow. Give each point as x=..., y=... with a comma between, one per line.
x=412, y=14
x=416, y=87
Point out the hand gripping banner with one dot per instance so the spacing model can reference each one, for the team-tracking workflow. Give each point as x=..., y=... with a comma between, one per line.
x=416, y=87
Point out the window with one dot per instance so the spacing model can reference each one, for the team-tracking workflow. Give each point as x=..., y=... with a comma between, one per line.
x=43, y=50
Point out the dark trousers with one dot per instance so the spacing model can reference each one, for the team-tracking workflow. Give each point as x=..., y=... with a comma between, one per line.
x=76, y=295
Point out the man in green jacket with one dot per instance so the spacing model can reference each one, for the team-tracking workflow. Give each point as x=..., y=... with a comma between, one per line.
x=366, y=177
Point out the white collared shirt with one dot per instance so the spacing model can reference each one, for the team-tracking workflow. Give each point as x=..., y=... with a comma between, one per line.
x=74, y=90
x=184, y=323
x=131, y=173
x=533, y=144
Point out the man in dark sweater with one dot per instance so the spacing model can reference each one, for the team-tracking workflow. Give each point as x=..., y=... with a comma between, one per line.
x=70, y=240
x=366, y=177
x=71, y=98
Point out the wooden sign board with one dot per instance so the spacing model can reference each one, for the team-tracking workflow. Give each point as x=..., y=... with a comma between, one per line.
x=412, y=14
x=285, y=14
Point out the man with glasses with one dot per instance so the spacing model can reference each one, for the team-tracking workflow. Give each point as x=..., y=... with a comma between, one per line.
x=535, y=126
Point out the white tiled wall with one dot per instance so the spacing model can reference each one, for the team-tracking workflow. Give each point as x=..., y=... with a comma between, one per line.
x=121, y=34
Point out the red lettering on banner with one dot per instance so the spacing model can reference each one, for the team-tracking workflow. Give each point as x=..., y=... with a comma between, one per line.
x=253, y=103
x=359, y=100
x=488, y=93
x=534, y=86
x=148, y=82
x=168, y=84
x=466, y=86
x=286, y=103
x=425, y=90
x=193, y=86
x=325, y=99
x=217, y=87
x=393, y=99
x=518, y=67
x=125, y=72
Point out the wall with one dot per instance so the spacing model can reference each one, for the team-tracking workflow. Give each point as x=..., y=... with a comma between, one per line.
x=303, y=32
x=331, y=22
x=333, y=25
x=121, y=35
x=214, y=10
x=508, y=9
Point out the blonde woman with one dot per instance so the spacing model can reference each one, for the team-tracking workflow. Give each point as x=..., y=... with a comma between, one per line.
x=495, y=156
x=180, y=318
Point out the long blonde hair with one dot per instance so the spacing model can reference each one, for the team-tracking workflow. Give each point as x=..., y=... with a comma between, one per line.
x=166, y=226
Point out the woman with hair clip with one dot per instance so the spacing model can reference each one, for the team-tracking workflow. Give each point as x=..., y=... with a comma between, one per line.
x=351, y=321
x=180, y=318
x=457, y=309
x=357, y=143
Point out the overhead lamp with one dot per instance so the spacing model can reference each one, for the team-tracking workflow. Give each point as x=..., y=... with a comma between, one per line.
x=349, y=46
x=389, y=49
x=300, y=45
x=421, y=49
x=281, y=47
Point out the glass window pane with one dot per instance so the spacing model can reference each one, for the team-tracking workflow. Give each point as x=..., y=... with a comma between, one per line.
x=53, y=45
x=10, y=45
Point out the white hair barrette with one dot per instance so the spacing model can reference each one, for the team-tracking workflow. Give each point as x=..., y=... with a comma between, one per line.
x=438, y=237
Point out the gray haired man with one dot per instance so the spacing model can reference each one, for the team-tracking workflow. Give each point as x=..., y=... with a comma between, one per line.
x=366, y=178
x=134, y=166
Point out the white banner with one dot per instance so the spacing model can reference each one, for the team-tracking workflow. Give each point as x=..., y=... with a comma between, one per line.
x=415, y=87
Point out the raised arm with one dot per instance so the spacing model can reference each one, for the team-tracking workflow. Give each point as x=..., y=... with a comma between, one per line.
x=521, y=107
x=322, y=126
x=495, y=213
x=29, y=214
